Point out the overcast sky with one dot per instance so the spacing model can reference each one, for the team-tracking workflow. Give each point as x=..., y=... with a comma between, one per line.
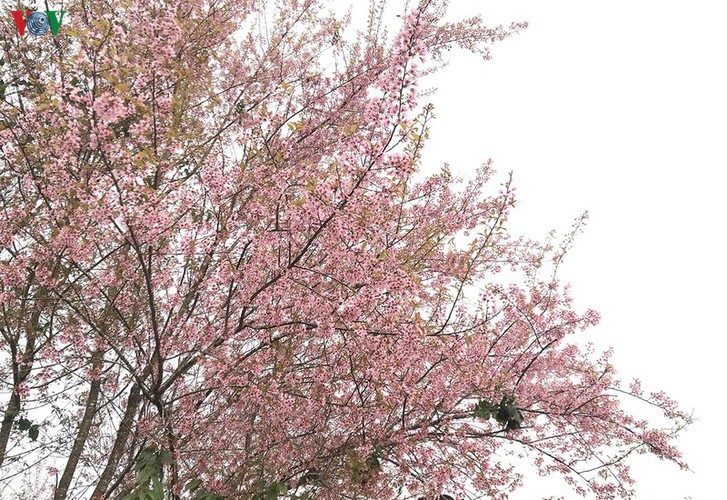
x=619, y=108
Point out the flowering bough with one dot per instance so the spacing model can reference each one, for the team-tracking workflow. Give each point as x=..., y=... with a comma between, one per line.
x=222, y=276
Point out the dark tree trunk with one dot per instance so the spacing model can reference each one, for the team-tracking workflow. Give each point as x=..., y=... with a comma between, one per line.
x=21, y=371
x=11, y=412
x=83, y=429
x=122, y=436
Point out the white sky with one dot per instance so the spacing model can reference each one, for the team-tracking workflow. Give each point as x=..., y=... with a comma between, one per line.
x=619, y=108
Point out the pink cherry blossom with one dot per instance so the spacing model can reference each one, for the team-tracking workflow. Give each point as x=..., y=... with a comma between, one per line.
x=219, y=258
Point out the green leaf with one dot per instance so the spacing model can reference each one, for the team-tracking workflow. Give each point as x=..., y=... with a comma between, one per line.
x=508, y=414
x=33, y=432
x=146, y=458
x=145, y=475
x=24, y=424
x=135, y=495
x=157, y=490
x=193, y=485
x=516, y=421
x=506, y=410
x=164, y=457
x=372, y=463
x=484, y=409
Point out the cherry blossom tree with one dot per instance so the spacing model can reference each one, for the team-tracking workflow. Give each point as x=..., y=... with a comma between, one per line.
x=222, y=274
